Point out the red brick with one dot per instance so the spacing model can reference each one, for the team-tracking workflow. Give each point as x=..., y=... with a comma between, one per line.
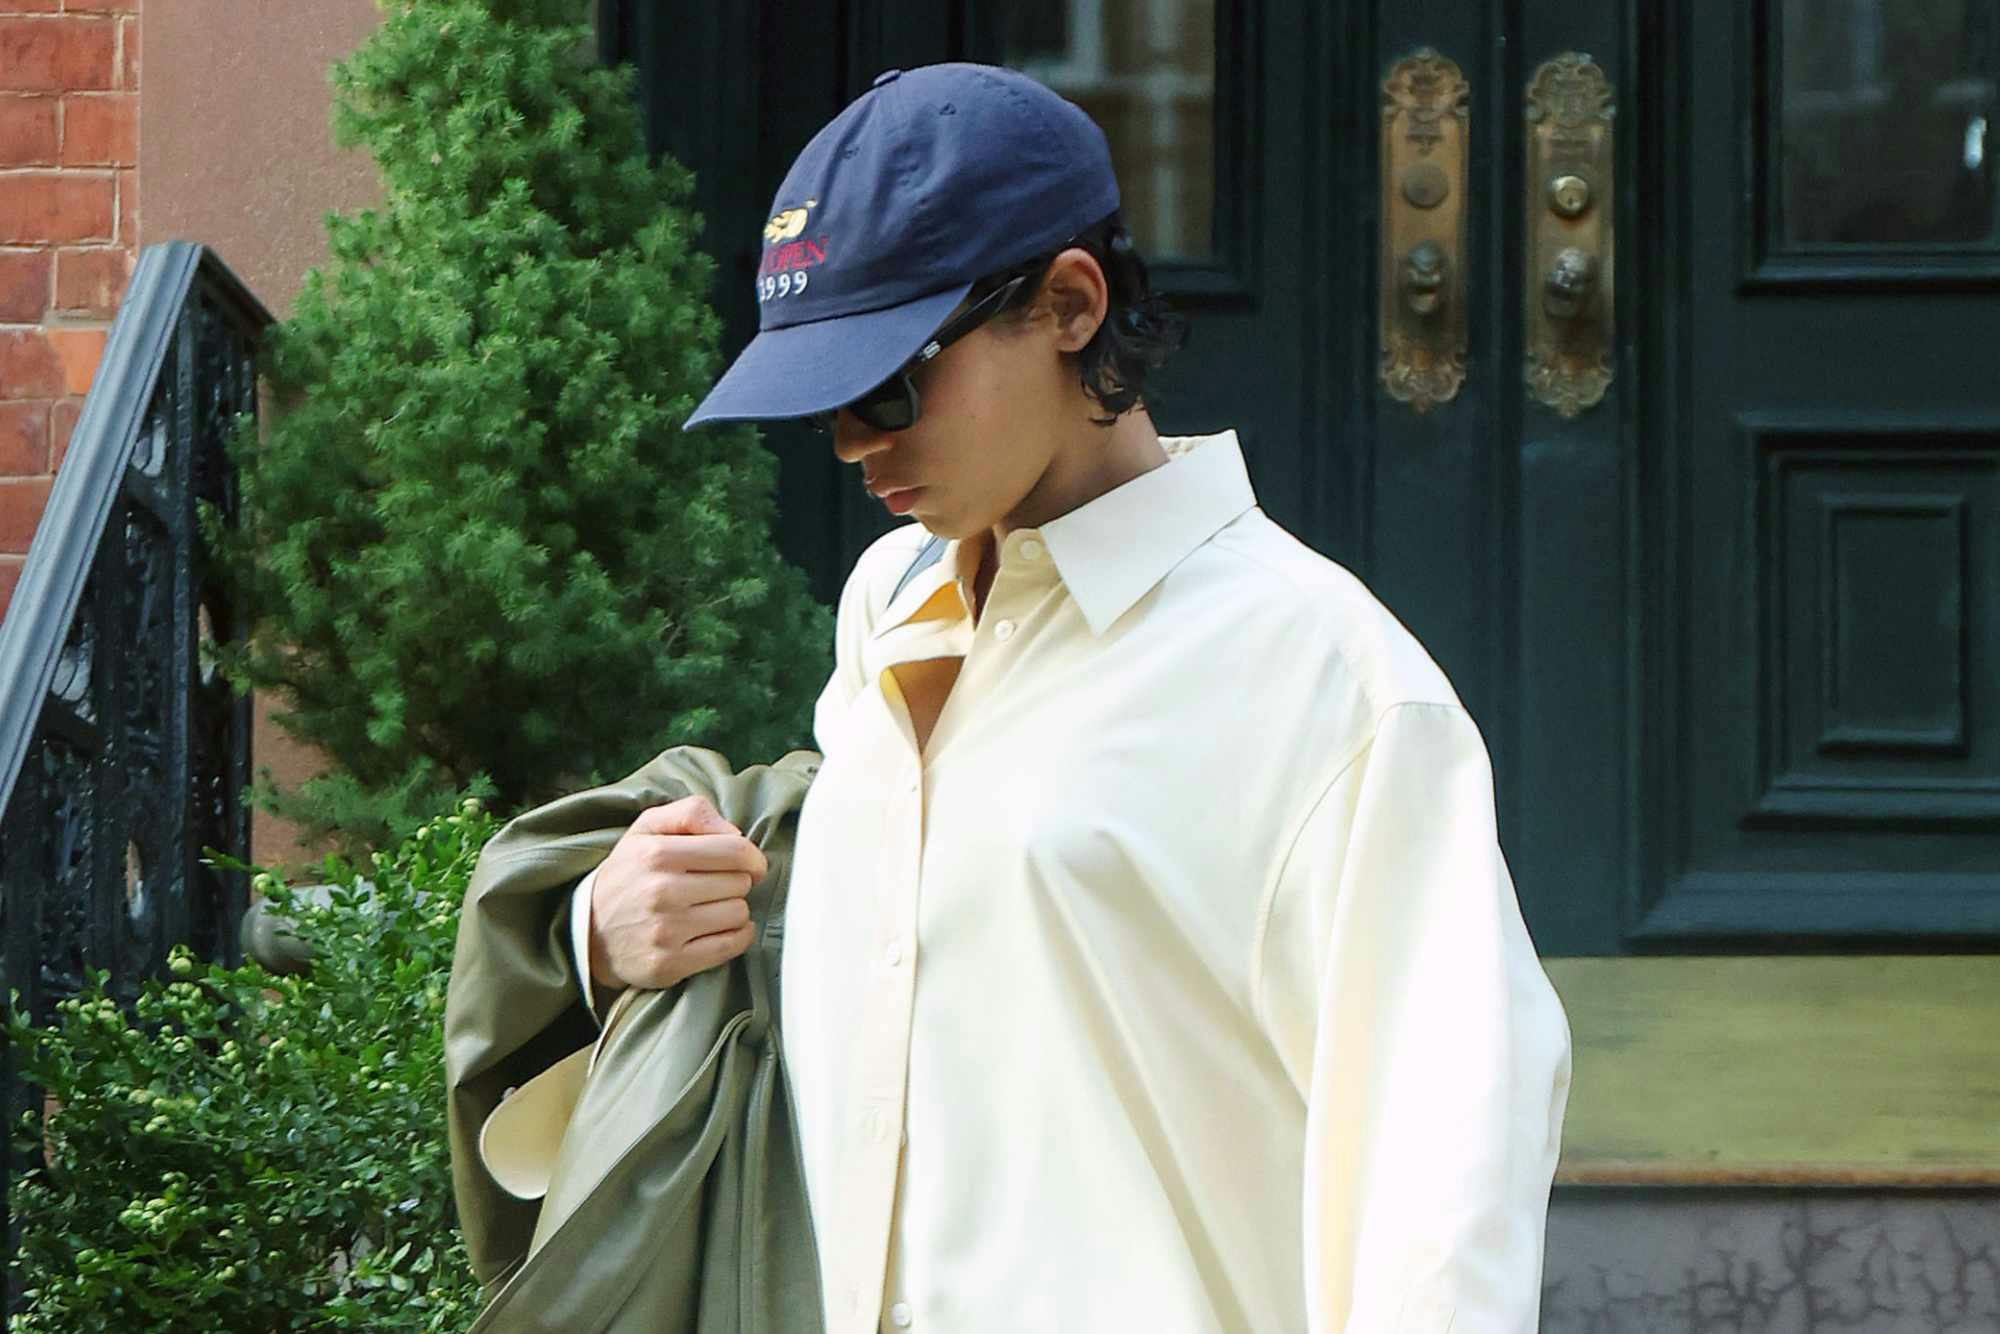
x=30, y=6
x=27, y=131
x=91, y=281
x=79, y=350
x=29, y=367
x=24, y=438
x=10, y=576
x=128, y=209
x=61, y=428
x=59, y=54
x=101, y=129
x=128, y=52
x=37, y=207
x=24, y=286
x=21, y=504
x=101, y=6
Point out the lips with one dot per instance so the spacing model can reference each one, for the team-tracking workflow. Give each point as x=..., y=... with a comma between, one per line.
x=881, y=492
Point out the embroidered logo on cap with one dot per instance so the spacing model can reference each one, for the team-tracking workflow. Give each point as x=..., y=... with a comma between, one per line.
x=787, y=260
x=789, y=223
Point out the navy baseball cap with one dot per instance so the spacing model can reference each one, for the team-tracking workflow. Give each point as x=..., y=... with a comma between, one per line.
x=929, y=181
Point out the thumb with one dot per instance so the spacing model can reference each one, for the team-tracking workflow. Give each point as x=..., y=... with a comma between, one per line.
x=689, y=815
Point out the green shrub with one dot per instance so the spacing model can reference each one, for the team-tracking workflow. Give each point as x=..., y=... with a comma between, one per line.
x=476, y=540
x=250, y=1152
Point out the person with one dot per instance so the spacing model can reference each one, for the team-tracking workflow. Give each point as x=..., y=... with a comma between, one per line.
x=1152, y=962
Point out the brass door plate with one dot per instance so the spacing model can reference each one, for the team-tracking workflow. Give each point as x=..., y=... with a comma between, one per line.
x=1568, y=306
x=1423, y=283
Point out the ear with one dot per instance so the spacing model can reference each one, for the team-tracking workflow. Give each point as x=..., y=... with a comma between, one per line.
x=1075, y=290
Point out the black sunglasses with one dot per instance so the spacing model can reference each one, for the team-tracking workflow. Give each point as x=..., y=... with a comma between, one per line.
x=893, y=405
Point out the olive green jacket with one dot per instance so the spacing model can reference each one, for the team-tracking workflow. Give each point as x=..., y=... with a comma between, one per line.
x=676, y=1201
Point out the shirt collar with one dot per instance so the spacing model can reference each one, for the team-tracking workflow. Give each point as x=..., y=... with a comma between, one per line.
x=1110, y=551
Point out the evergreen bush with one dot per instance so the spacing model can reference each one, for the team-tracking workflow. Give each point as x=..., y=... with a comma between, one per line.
x=476, y=540
x=243, y=1151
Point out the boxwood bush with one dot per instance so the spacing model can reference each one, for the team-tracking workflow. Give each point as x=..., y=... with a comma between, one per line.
x=246, y=1151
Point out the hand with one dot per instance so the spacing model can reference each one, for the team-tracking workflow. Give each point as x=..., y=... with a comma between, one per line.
x=671, y=898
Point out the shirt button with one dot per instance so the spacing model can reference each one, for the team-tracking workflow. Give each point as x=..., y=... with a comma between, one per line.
x=1003, y=630
x=1031, y=549
x=894, y=954
x=916, y=781
x=900, y=1316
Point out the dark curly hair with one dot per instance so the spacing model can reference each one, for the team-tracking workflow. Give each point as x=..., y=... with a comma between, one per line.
x=1140, y=330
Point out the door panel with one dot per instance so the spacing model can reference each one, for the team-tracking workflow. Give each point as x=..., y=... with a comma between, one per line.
x=1501, y=531
x=1829, y=507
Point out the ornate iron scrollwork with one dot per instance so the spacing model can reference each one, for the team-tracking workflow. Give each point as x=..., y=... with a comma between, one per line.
x=120, y=756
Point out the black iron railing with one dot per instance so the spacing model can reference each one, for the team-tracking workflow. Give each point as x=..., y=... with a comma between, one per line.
x=123, y=752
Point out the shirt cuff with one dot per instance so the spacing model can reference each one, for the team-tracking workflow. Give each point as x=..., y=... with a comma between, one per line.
x=579, y=939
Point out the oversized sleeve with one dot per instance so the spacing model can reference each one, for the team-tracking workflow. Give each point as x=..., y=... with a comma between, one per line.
x=1405, y=996
x=513, y=1007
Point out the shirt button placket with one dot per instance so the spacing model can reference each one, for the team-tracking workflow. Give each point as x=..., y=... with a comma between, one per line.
x=886, y=1119
x=1027, y=551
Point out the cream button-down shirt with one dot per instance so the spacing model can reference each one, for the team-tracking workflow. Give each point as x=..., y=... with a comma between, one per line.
x=1151, y=962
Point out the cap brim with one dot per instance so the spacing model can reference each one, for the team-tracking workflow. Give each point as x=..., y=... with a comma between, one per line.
x=816, y=367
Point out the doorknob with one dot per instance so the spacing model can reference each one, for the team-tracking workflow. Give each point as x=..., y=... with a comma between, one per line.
x=1570, y=284
x=1425, y=270
x=1422, y=286
x=1568, y=306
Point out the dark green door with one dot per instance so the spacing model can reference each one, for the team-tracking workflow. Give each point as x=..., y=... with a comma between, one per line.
x=1734, y=630
x=1730, y=630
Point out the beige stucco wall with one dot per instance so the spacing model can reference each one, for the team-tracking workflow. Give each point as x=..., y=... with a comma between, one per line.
x=236, y=146
x=236, y=151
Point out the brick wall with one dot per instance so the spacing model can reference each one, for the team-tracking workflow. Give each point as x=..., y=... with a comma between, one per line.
x=69, y=227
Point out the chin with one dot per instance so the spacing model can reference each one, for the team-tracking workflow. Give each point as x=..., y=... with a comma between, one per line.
x=954, y=526
x=943, y=526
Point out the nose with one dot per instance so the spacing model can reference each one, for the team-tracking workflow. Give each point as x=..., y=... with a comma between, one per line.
x=854, y=439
